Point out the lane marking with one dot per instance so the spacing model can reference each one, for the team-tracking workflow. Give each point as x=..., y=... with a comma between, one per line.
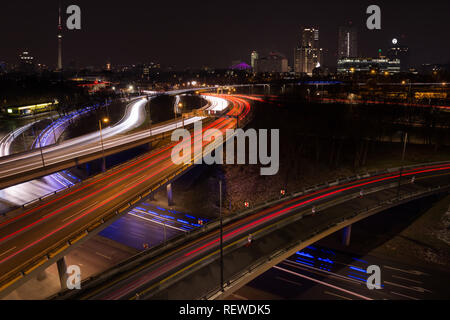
x=321, y=271
x=398, y=277
x=155, y=222
x=84, y=209
x=418, y=289
x=138, y=235
x=418, y=273
x=239, y=296
x=289, y=281
x=336, y=295
x=404, y=295
x=324, y=283
x=8, y=251
x=102, y=255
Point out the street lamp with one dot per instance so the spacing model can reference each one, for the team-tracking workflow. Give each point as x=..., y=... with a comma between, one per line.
x=221, y=236
x=39, y=140
x=104, y=120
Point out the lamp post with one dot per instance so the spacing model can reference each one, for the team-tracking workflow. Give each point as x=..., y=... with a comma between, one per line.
x=221, y=236
x=149, y=117
x=399, y=182
x=54, y=134
x=180, y=106
x=39, y=140
x=105, y=120
x=404, y=146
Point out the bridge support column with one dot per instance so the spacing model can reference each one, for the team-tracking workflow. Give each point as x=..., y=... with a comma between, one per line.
x=62, y=271
x=346, y=235
x=88, y=169
x=103, y=164
x=169, y=195
x=42, y=276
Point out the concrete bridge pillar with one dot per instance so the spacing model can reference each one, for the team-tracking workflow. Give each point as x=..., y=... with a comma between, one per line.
x=88, y=168
x=103, y=164
x=169, y=195
x=346, y=235
x=42, y=276
x=62, y=272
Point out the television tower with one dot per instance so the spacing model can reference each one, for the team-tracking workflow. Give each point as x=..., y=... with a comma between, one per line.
x=60, y=36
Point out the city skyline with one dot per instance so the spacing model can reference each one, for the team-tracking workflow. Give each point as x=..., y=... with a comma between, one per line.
x=244, y=152
x=145, y=33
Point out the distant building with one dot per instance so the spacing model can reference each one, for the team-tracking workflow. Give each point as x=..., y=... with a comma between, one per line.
x=26, y=62
x=241, y=66
x=348, y=42
x=254, y=59
x=401, y=52
x=274, y=62
x=3, y=67
x=375, y=65
x=60, y=37
x=429, y=69
x=308, y=55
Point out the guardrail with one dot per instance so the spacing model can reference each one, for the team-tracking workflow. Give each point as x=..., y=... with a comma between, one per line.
x=43, y=257
x=287, y=221
x=213, y=225
x=282, y=253
x=158, y=137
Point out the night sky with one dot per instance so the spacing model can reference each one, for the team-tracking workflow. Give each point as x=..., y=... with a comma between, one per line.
x=198, y=33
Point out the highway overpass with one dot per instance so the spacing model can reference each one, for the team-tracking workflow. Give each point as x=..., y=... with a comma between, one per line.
x=26, y=166
x=37, y=236
x=22, y=167
x=188, y=267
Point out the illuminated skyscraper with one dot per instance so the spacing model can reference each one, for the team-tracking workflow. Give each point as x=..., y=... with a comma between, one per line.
x=348, y=42
x=401, y=52
x=275, y=62
x=254, y=59
x=60, y=36
x=308, y=55
x=26, y=62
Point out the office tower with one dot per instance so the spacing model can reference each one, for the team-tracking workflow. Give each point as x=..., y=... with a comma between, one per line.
x=275, y=62
x=60, y=65
x=348, y=42
x=368, y=65
x=26, y=62
x=400, y=52
x=308, y=55
x=254, y=59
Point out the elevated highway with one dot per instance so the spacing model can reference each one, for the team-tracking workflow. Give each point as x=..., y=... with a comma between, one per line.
x=40, y=234
x=188, y=267
x=19, y=168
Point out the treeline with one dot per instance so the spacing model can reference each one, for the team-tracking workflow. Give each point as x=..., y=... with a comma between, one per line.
x=35, y=89
x=339, y=134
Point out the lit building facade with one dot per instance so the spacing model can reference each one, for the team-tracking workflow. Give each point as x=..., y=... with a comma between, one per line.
x=348, y=42
x=368, y=65
x=308, y=56
x=60, y=37
x=26, y=62
x=274, y=62
x=400, y=52
x=254, y=59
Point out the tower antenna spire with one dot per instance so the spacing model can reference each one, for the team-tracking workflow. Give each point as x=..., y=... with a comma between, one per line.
x=60, y=36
